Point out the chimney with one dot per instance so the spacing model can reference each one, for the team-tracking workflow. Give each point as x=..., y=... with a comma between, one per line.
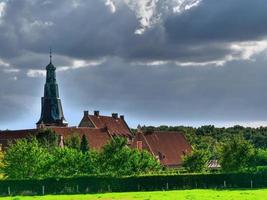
x=122, y=117
x=86, y=113
x=61, y=141
x=96, y=113
x=115, y=115
x=139, y=145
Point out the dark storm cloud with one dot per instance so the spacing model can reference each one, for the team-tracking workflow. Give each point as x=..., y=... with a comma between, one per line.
x=220, y=21
x=88, y=30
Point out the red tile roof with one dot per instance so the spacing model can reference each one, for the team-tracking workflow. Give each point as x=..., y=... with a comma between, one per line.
x=97, y=138
x=115, y=125
x=168, y=147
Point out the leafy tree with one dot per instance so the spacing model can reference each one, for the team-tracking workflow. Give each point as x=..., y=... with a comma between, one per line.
x=1, y=160
x=25, y=159
x=73, y=141
x=118, y=159
x=47, y=138
x=261, y=157
x=84, y=144
x=65, y=162
x=145, y=162
x=236, y=154
x=92, y=164
x=197, y=161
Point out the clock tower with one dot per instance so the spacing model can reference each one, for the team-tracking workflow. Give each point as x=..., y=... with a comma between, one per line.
x=52, y=112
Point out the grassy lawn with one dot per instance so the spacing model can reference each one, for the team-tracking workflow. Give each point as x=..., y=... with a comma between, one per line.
x=170, y=195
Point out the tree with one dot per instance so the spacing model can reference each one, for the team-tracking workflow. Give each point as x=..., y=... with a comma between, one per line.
x=92, y=164
x=25, y=159
x=1, y=159
x=197, y=161
x=65, y=162
x=47, y=138
x=118, y=159
x=236, y=154
x=261, y=157
x=73, y=141
x=84, y=144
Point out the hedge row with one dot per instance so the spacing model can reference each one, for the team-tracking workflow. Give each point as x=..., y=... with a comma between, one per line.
x=142, y=183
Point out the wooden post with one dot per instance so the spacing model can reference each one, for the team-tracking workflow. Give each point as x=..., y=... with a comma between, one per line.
x=251, y=184
x=43, y=190
x=224, y=184
x=77, y=188
x=108, y=188
x=8, y=191
x=138, y=187
x=167, y=186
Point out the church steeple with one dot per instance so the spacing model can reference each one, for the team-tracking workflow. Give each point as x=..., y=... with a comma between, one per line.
x=52, y=112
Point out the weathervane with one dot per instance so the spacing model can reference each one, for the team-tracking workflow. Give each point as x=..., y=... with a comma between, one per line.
x=50, y=55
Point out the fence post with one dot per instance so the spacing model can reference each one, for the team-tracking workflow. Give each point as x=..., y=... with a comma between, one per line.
x=138, y=187
x=224, y=184
x=77, y=188
x=8, y=191
x=43, y=190
x=167, y=186
x=196, y=185
x=251, y=184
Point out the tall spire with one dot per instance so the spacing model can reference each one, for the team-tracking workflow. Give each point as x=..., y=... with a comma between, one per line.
x=52, y=112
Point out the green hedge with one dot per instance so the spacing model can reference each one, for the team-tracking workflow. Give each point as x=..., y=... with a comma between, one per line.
x=142, y=183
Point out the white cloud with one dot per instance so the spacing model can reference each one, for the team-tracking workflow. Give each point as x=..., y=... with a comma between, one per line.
x=33, y=73
x=183, y=5
x=11, y=70
x=2, y=8
x=246, y=50
x=3, y=63
x=76, y=64
x=252, y=124
x=39, y=23
x=152, y=12
x=201, y=64
x=111, y=5
x=151, y=63
x=239, y=51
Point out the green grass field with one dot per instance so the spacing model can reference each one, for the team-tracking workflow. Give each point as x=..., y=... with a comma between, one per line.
x=170, y=195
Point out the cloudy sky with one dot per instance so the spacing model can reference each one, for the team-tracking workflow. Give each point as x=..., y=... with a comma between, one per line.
x=174, y=62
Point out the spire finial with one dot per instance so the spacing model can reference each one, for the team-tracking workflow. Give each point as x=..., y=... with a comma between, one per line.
x=50, y=55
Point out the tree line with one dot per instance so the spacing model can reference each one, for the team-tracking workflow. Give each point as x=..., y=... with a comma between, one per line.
x=41, y=157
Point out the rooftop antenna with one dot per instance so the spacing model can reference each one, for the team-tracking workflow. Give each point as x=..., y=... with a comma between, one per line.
x=50, y=55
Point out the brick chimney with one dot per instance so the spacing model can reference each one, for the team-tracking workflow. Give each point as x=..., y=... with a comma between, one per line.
x=96, y=113
x=139, y=145
x=86, y=113
x=122, y=117
x=115, y=115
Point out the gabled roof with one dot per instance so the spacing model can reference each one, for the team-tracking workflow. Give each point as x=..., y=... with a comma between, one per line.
x=168, y=147
x=116, y=126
